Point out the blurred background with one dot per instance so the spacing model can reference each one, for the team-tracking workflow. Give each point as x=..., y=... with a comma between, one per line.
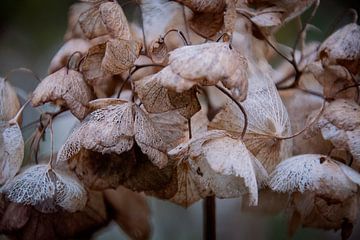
x=31, y=32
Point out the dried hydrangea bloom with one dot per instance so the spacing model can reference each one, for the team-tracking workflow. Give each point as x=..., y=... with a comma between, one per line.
x=115, y=20
x=91, y=66
x=9, y=102
x=91, y=22
x=11, y=150
x=268, y=122
x=315, y=173
x=73, y=27
x=296, y=102
x=340, y=123
x=160, y=16
x=173, y=127
x=158, y=51
x=316, y=211
x=206, y=64
x=131, y=212
x=61, y=58
x=204, y=5
x=158, y=99
x=342, y=48
x=66, y=87
x=120, y=55
x=215, y=163
x=273, y=14
x=335, y=80
x=114, y=129
x=206, y=24
x=46, y=189
x=25, y=222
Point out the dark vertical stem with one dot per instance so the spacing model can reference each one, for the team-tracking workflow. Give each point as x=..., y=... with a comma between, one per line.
x=209, y=210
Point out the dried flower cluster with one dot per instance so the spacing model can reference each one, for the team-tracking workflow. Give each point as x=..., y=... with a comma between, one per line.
x=148, y=99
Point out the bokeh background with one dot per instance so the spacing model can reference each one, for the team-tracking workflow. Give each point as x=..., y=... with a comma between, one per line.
x=31, y=31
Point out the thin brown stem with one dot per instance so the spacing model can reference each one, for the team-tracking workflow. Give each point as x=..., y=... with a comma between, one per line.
x=223, y=90
x=209, y=221
x=180, y=33
x=307, y=126
x=189, y=126
x=16, y=119
x=136, y=68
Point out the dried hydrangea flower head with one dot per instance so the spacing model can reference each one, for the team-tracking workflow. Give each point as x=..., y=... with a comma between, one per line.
x=342, y=48
x=214, y=163
x=325, y=191
x=131, y=211
x=340, y=123
x=24, y=221
x=9, y=102
x=65, y=88
x=297, y=101
x=11, y=150
x=120, y=131
x=46, y=189
x=158, y=99
x=268, y=123
x=206, y=65
x=315, y=173
x=315, y=211
x=104, y=17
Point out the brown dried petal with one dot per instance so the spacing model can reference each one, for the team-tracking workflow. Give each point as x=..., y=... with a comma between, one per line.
x=207, y=24
x=91, y=66
x=204, y=5
x=73, y=28
x=11, y=151
x=91, y=22
x=296, y=102
x=9, y=102
x=342, y=47
x=63, y=225
x=172, y=126
x=65, y=87
x=267, y=118
x=158, y=99
x=120, y=55
x=158, y=51
x=115, y=20
x=131, y=211
x=341, y=125
x=70, y=47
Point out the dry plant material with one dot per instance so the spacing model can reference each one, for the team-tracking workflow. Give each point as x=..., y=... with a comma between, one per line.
x=315, y=173
x=91, y=21
x=65, y=88
x=206, y=65
x=215, y=163
x=158, y=51
x=115, y=20
x=340, y=123
x=126, y=135
x=120, y=55
x=342, y=48
x=131, y=212
x=158, y=99
x=209, y=6
x=46, y=189
x=9, y=102
x=268, y=124
x=70, y=48
x=207, y=24
x=297, y=101
x=25, y=222
x=325, y=191
x=11, y=150
x=91, y=65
